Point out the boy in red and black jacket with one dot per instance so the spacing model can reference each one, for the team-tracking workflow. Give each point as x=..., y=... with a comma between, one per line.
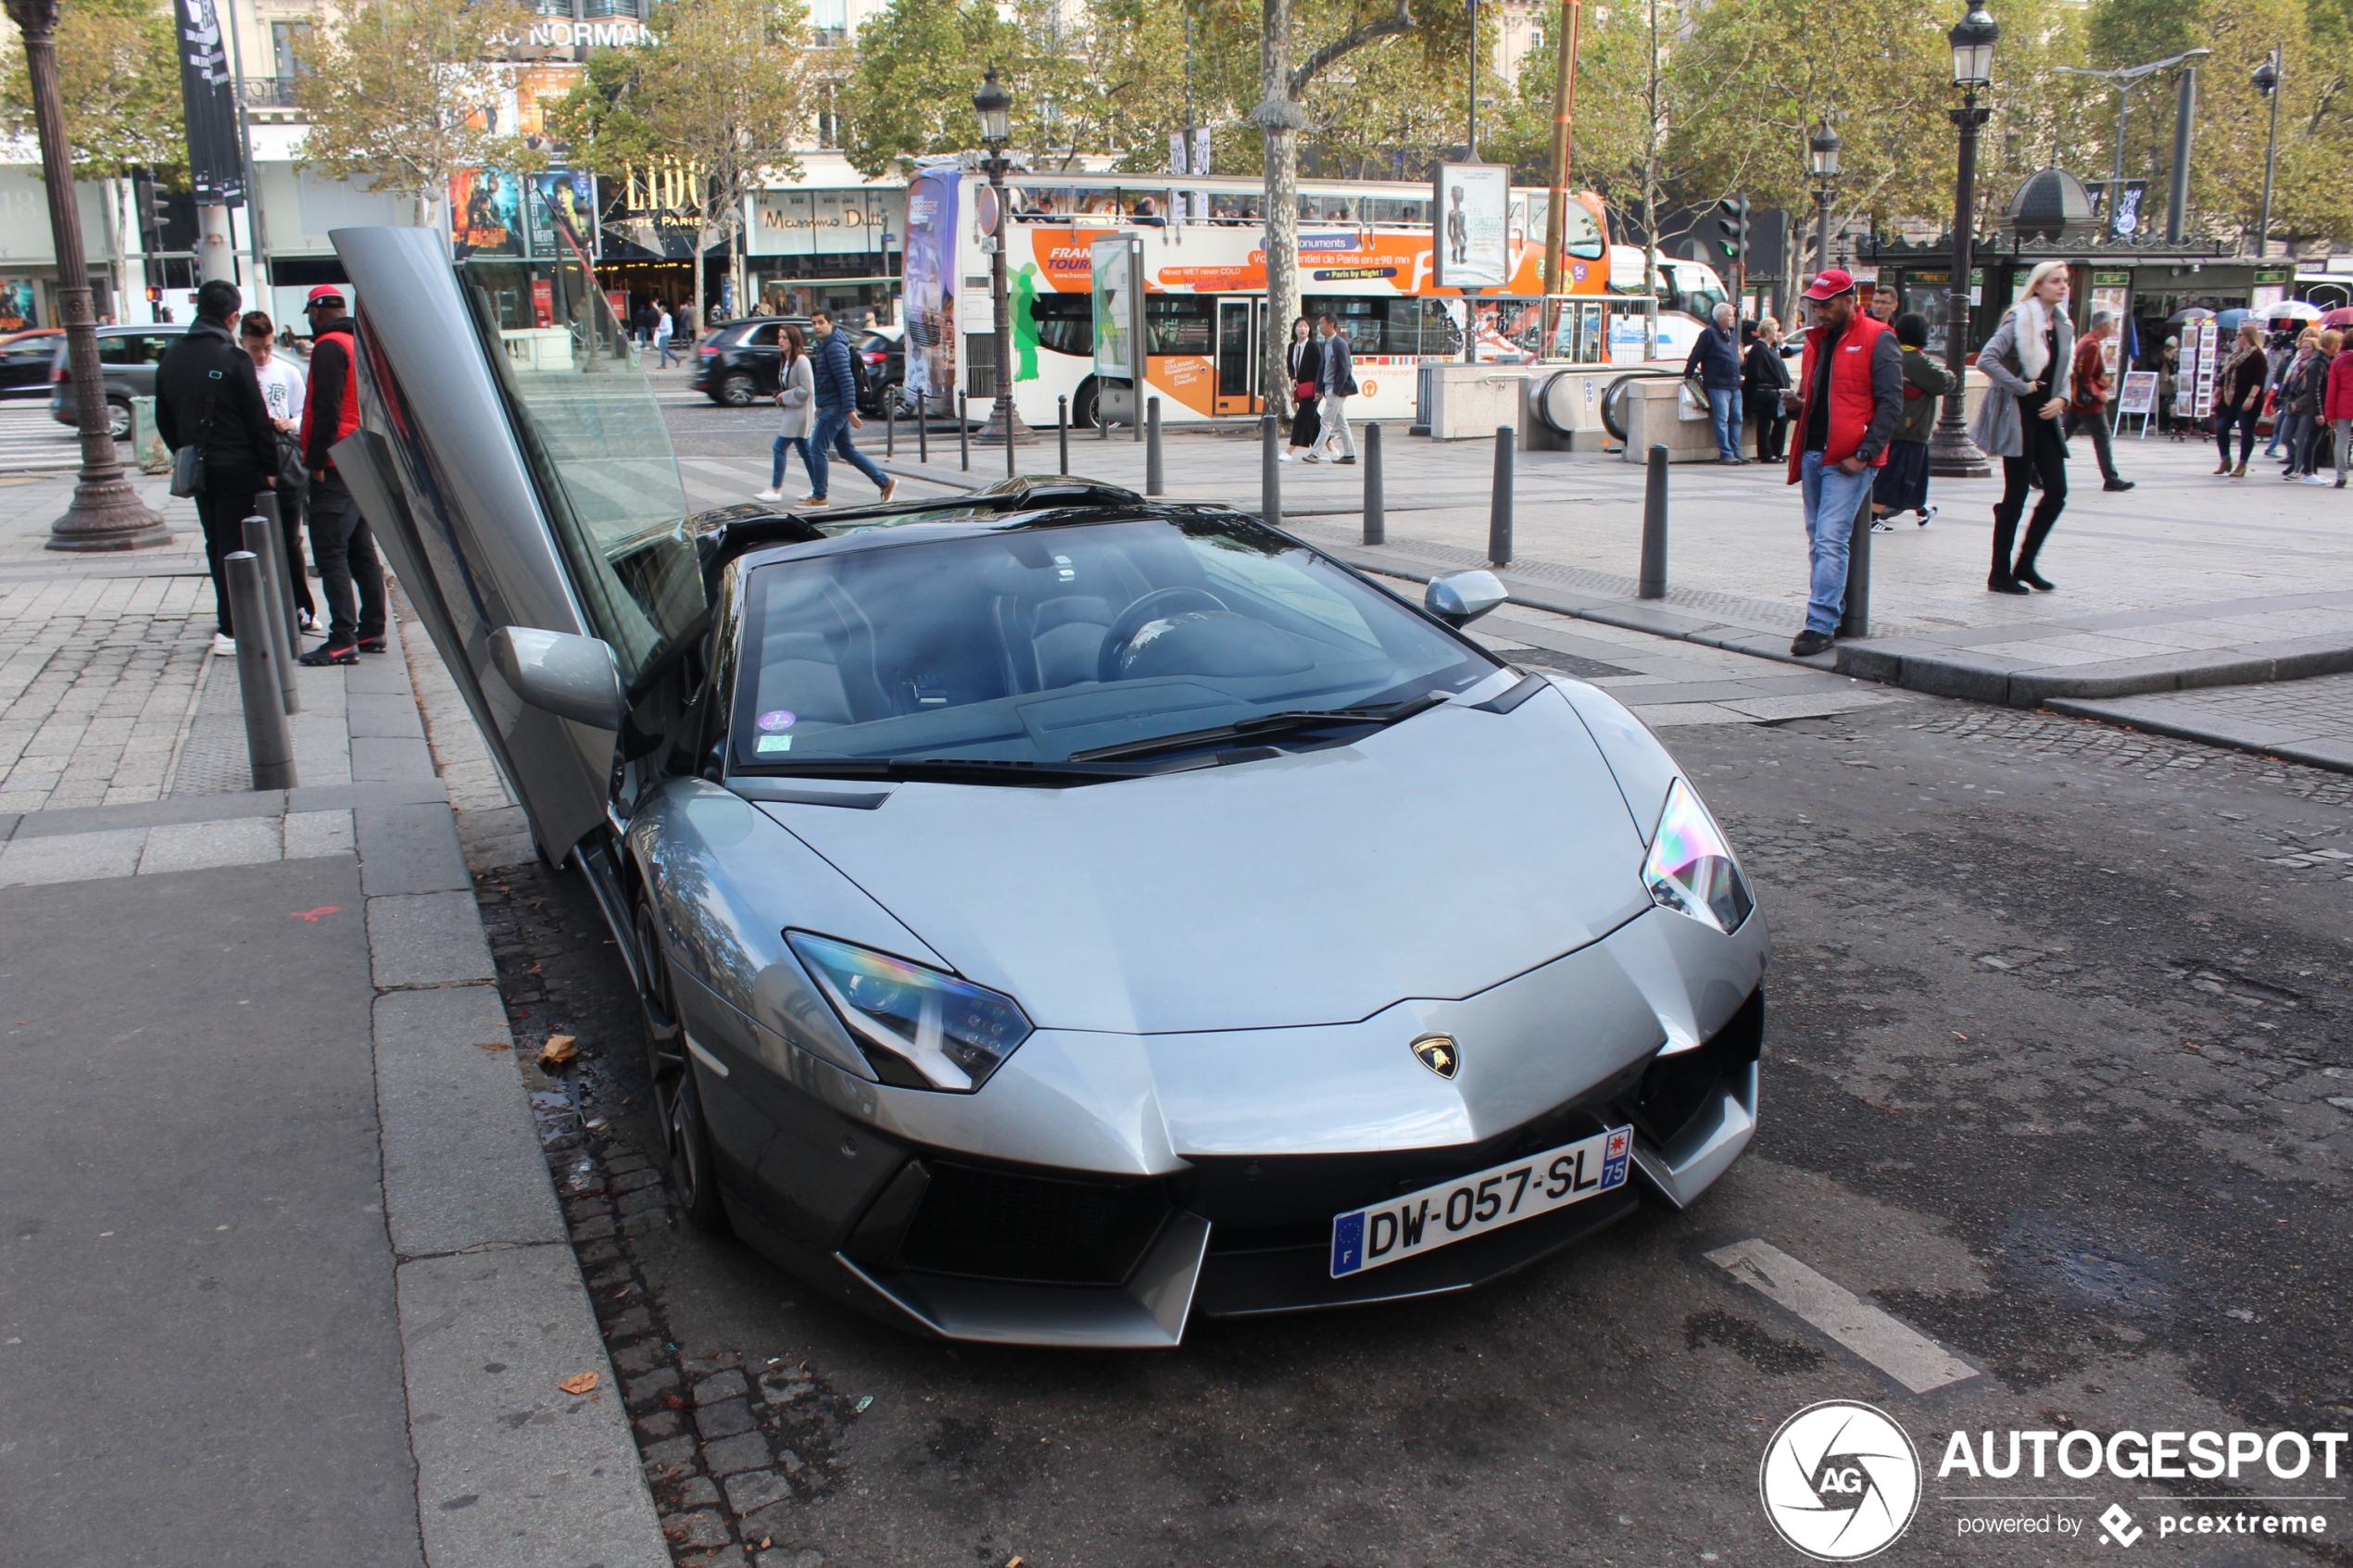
x=339, y=538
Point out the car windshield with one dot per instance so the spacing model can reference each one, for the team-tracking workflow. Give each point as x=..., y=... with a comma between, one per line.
x=1042, y=645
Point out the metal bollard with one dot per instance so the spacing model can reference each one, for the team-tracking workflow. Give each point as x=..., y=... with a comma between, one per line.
x=266, y=504
x=1010, y=416
x=1102, y=419
x=1856, y=621
x=963, y=435
x=1376, y=505
x=261, y=542
x=890, y=424
x=1153, y=483
x=1270, y=477
x=269, y=743
x=1653, y=581
x=923, y=428
x=1499, y=509
x=1062, y=432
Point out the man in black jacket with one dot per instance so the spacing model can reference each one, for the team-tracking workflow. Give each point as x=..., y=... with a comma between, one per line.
x=1715, y=360
x=340, y=541
x=207, y=395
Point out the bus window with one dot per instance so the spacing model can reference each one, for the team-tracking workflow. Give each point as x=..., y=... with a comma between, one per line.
x=1065, y=323
x=1180, y=323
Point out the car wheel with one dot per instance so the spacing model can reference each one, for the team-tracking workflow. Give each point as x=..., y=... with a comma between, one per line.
x=690, y=1176
x=658, y=1004
x=119, y=419
x=1084, y=406
x=738, y=390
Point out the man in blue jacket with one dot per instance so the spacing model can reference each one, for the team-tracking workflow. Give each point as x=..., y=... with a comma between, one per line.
x=1715, y=360
x=837, y=412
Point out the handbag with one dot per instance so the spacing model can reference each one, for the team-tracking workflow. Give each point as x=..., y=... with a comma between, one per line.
x=1303, y=392
x=1690, y=406
x=187, y=463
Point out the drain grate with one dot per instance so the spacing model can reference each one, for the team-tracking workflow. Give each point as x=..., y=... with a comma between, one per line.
x=213, y=761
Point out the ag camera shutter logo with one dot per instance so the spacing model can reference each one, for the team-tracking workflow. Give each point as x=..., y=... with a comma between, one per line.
x=1840, y=1481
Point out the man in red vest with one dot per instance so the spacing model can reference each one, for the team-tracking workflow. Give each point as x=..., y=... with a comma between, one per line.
x=339, y=539
x=1847, y=399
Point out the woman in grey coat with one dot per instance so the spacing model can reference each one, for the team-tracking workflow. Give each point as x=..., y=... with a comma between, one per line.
x=2028, y=360
x=796, y=395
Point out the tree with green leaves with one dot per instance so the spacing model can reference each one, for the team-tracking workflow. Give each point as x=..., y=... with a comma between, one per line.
x=119, y=76
x=405, y=92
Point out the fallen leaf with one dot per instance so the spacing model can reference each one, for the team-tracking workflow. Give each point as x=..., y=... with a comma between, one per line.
x=579, y=1383
x=491, y=1045
x=558, y=1049
x=315, y=916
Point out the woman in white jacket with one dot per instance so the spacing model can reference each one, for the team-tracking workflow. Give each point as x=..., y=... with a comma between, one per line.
x=796, y=395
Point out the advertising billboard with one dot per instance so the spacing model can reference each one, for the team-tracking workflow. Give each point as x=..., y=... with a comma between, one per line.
x=208, y=103
x=1472, y=249
x=928, y=285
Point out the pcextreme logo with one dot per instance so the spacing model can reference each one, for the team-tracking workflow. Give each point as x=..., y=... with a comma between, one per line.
x=1840, y=1481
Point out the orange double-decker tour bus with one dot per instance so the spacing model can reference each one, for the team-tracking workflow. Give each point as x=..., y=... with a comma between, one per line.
x=1197, y=243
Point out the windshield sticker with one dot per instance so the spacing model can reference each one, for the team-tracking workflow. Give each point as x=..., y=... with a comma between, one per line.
x=777, y=720
x=773, y=742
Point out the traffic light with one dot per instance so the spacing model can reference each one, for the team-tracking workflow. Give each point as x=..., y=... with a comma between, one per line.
x=148, y=197
x=1732, y=221
x=153, y=294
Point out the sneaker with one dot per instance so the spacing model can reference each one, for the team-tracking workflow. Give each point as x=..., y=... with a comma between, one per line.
x=372, y=645
x=309, y=621
x=812, y=501
x=1284, y=456
x=2119, y=484
x=1926, y=512
x=890, y=488
x=327, y=653
x=1345, y=462
x=1311, y=457
x=223, y=644
x=2314, y=479
x=1811, y=642
x=767, y=495
x=1880, y=525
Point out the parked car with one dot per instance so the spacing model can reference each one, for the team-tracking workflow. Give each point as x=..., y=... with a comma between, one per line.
x=736, y=363
x=26, y=358
x=1057, y=914
x=129, y=356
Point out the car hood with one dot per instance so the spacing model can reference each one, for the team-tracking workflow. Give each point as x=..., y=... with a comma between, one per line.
x=1430, y=859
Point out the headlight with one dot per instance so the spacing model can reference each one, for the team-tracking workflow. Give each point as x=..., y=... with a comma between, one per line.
x=920, y=1029
x=1690, y=869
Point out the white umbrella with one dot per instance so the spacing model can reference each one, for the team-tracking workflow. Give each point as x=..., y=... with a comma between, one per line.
x=2293, y=310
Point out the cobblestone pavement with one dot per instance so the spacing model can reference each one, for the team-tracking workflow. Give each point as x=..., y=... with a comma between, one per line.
x=97, y=681
x=2304, y=721
x=2056, y=1076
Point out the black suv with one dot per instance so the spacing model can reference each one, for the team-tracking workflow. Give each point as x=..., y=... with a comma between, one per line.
x=737, y=365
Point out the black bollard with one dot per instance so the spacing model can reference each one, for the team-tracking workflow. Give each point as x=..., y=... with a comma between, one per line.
x=1062, y=432
x=269, y=743
x=1855, y=622
x=891, y=425
x=1498, y=509
x=261, y=542
x=923, y=428
x=1653, y=582
x=963, y=435
x=1270, y=476
x=1375, y=512
x=1153, y=484
x=266, y=505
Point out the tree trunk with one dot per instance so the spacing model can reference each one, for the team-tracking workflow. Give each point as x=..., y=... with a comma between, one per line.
x=1279, y=119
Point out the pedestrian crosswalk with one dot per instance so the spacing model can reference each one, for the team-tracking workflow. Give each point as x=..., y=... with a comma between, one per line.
x=31, y=441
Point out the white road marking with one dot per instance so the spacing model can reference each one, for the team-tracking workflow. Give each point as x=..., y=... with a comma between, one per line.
x=1910, y=1357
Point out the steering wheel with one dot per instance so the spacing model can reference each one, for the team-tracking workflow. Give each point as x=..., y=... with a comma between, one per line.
x=1160, y=602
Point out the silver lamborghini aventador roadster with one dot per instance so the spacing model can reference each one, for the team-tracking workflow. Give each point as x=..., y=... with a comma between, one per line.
x=1056, y=913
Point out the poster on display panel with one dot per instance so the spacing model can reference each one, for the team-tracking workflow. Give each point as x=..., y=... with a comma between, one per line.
x=1473, y=226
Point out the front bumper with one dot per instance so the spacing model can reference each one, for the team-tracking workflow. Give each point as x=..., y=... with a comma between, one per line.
x=1041, y=1225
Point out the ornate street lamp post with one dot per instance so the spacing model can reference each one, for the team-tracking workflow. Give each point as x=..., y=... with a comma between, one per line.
x=2267, y=82
x=106, y=513
x=995, y=106
x=1824, y=148
x=1951, y=454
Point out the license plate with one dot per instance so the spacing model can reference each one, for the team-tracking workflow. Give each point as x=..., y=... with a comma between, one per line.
x=1485, y=1200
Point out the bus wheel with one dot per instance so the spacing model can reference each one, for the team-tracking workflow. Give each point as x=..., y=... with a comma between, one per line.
x=1084, y=406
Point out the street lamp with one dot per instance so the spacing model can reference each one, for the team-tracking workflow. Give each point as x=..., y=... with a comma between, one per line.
x=1823, y=146
x=1951, y=454
x=995, y=106
x=2124, y=79
x=105, y=513
x=2267, y=82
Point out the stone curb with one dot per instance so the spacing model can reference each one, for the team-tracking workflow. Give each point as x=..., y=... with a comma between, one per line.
x=2334, y=755
x=512, y=1471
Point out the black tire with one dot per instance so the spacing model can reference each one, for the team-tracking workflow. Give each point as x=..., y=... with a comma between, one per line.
x=738, y=390
x=657, y=1005
x=689, y=1171
x=1084, y=406
x=119, y=419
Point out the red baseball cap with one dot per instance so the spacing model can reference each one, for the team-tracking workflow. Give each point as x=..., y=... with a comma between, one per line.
x=325, y=292
x=1829, y=282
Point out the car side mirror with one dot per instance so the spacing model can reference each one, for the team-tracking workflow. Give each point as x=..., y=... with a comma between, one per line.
x=1460, y=597
x=571, y=676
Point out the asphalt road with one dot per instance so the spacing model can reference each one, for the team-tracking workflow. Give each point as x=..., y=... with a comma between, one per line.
x=2059, y=1014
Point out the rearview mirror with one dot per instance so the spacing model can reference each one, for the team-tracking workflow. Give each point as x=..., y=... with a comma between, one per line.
x=1460, y=597
x=571, y=676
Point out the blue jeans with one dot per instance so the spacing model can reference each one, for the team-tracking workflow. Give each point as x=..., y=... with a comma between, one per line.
x=663, y=344
x=785, y=446
x=1724, y=413
x=833, y=436
x=1831, y=500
